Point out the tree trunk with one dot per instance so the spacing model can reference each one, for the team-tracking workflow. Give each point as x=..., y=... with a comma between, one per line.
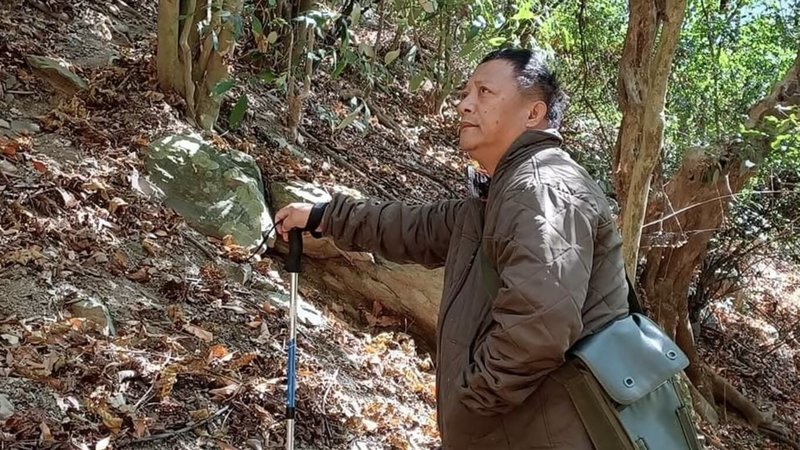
x=683, y=218
x=217, y=66
x=653, y=31
x=167, y=51
x=300, y=44
x=192, y=62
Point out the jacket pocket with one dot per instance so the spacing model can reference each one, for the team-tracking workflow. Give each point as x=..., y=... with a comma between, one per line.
x=472, y=431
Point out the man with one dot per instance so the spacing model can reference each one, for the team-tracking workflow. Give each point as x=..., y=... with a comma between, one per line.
x=545, y=229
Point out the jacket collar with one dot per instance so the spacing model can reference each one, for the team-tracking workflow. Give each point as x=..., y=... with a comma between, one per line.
x=526, y=145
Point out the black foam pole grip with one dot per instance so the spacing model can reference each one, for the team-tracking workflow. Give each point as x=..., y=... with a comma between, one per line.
x=293, y=264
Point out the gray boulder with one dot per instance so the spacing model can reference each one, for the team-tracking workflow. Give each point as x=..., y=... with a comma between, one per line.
x=218, y=194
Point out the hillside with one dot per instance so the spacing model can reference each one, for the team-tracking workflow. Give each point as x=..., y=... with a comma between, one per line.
x=123, y=327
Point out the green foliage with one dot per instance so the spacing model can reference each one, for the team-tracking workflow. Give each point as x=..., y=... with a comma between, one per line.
x=728, y=59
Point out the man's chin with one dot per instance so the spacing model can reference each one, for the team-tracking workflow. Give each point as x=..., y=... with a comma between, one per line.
x=466, y=146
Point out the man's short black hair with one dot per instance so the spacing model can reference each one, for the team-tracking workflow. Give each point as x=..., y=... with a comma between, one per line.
x=535, y=76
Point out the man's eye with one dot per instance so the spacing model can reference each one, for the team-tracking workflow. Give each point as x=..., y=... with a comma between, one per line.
x=484, y=90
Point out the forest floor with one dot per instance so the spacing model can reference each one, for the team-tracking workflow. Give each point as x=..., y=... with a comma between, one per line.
x=121, y=327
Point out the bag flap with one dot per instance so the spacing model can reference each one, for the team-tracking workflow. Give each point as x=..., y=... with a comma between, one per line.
x=630, y=358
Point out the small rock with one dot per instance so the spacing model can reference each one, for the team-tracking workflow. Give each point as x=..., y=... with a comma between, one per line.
x=307, y=314
x=24, y=127
x=10, y=338
x=94, y=310
x=240, y=273
x=4, y=124
x=10, y=81
x=57, y=75
x=7, y=167
x=6, y=408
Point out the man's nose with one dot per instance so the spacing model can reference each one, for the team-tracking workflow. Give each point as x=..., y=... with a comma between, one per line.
x=465, y=106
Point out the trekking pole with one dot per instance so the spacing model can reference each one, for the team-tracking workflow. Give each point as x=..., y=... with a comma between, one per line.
x=293, y=266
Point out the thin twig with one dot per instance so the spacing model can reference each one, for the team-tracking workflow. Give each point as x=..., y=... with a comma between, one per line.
x=341, y=160
x=147, y=395
x=200, y=246
x=189, y=427
x=711, y=200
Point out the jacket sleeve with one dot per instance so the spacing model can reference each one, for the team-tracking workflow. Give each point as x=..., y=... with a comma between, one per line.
x=542, y=249
x=398, y=232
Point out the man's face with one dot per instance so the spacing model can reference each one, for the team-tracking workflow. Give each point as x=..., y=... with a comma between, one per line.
x=494, y=112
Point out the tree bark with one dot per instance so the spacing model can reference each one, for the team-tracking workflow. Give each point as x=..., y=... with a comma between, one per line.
x=682, y=219
x=653, y=31
x=217, y=69
x=167, y=51
x=192, y=63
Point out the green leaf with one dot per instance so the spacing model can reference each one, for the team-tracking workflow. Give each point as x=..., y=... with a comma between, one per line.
x=272, y=37
x=272, y=3
x=267, y=76
x=340, y=66
x=415, y=82
x=524, y=13
x=214, y=40
x=723, y=58
x=281, y=81
x=497, y=41
x=355, y=16
x=223, y=87
x=429, y=6
x=258, y=27
x=237, y=113
x=367, y=50
x=391, y=56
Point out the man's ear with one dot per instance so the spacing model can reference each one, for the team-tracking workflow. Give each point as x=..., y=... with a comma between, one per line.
x=537, y=115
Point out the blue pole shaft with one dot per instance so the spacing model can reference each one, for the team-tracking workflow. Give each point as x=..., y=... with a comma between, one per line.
x=293, y=266
x=292, y=370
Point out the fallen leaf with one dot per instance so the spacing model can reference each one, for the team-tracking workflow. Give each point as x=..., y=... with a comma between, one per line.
x=242, y=361
x=120, y=260
x=7, y=167
x=10, y=338
x=141, y=141
x=24, y=256
x=217, y=352
x=370, y=425
x=115, y=204
x=199, y=414
x=39, y=166
x=174, y=313
x=68, y=198
x=76, y=322
x=224, y=392
x=95, y=185
x=123, y=375
x=151, y=248
x=111, y=421
x=10, y=148
x=140, y=428
x=100, y=257
x=224, y=446
x=254, y=324
x=47, y=435
x=103, y=444
x=139, y=275
x=199, y=332
x=167, y=380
